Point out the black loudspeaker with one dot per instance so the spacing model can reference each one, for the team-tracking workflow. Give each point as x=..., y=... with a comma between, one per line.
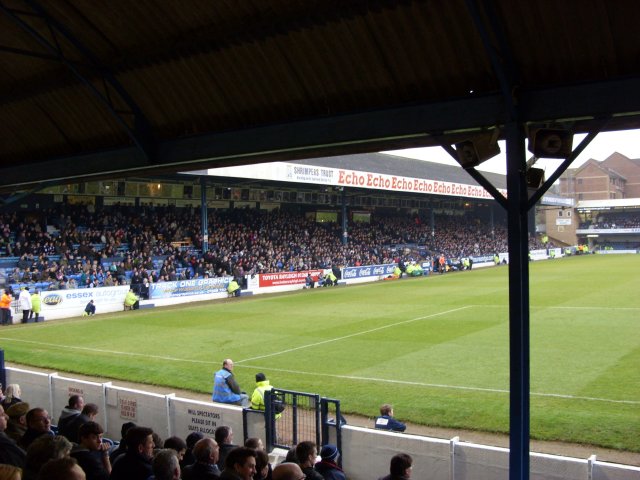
x=535, y=178
x=476, y=150
x=550, y=143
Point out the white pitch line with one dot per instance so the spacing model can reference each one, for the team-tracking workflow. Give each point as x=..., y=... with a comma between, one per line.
x=563, y=307
x=364, y=332
x=443, y=386
x=114, y=352
x=316, y=374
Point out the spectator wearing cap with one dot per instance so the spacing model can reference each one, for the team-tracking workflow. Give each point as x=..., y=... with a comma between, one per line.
x=17, y=420
x=386, y=421
x=257, y=397
x=10, y=452
x=328, y=465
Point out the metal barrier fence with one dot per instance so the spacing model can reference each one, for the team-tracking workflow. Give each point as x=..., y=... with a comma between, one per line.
x=293, y=417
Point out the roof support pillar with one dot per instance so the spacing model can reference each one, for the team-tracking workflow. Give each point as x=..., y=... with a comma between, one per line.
x=204, y=220
x=519, y=347
x=343, y=201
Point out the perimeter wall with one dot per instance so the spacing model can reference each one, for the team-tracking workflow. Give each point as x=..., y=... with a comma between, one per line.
x=365, y=452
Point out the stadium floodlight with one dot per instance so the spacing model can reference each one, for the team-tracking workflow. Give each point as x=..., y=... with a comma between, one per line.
x=550, y=143
x=477, y=149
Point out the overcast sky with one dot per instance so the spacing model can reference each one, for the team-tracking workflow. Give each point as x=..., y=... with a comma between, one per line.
x=626, y=142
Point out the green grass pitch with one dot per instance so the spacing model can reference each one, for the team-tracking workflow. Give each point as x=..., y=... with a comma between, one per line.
x=436, y=347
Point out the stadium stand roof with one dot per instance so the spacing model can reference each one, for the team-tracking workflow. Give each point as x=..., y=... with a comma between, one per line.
x=379, y=163
x=613, y=204
x=112, y=89
x=408, y=167
x=116, y=88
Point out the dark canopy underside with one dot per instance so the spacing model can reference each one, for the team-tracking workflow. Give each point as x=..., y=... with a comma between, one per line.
x=119, y=88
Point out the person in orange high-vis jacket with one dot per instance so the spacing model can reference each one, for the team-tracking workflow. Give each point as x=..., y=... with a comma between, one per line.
x=5, y=307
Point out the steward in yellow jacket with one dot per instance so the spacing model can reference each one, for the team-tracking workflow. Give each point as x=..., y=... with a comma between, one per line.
x=257, y=397
x=131, y=301
x=233, y=289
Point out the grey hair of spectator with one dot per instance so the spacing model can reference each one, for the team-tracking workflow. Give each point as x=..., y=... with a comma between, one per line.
x=165, y=463
x=12, y=391
x=43, y=449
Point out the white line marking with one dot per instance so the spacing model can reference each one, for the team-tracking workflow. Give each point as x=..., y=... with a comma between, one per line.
x=343, y=377
x=114, y=352
x=351, y=335
x=438, y=385
x=565, y=307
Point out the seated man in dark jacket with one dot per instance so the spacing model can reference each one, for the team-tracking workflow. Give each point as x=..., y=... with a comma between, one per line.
x=135, y=464
x=205, y=452
x=92, y=455
x=328, y=467
x=70, y=429
x=10, y=452
x=399, y=468
x=386, y=421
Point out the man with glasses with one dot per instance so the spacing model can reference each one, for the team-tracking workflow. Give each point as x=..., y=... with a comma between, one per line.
x=38, y=423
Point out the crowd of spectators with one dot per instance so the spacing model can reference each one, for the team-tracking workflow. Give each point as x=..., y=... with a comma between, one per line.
x=613, y=220
x=33, y=448
x=81, y=246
